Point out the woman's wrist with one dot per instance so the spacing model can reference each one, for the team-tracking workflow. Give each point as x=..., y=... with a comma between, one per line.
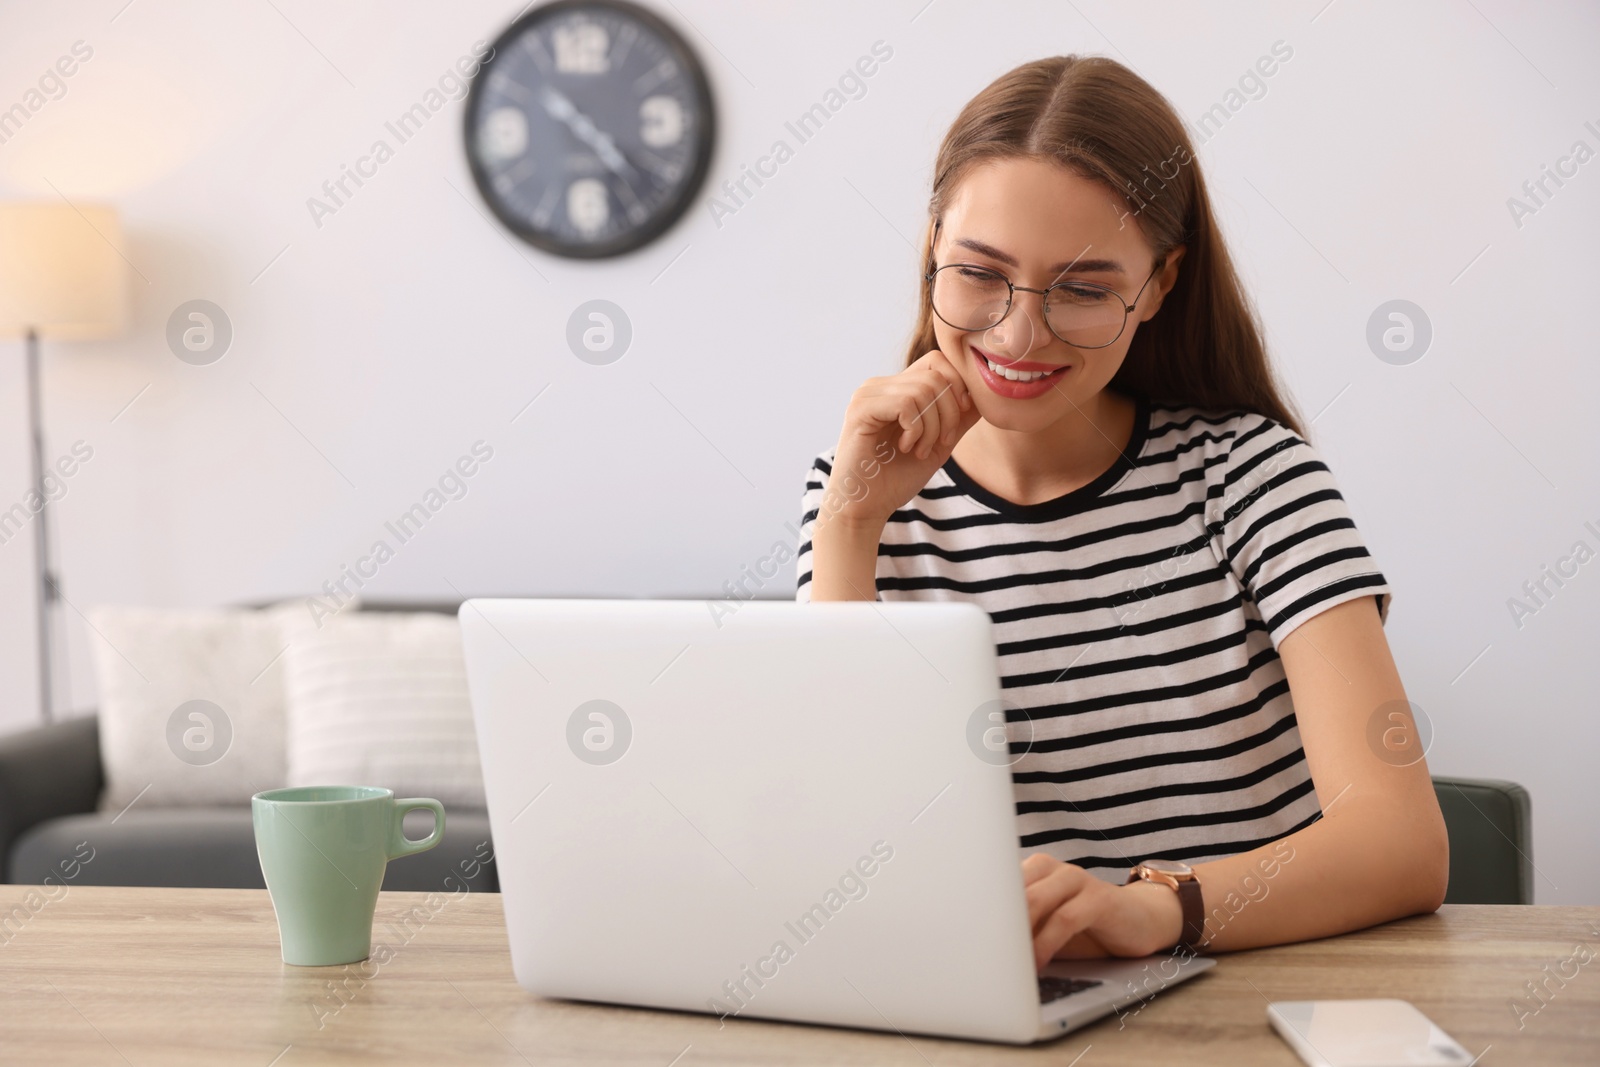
x=844, y=557
x=851, y=524
x=1163, y=914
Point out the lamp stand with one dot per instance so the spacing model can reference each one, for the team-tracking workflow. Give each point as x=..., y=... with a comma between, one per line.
x=46, y=593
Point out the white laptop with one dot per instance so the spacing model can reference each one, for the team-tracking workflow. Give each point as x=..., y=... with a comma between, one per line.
x=763, y=809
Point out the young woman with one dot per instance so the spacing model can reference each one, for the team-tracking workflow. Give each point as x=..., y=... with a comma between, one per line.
x=1087, y=441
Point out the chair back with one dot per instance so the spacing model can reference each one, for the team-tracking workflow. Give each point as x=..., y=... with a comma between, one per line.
x=1491, y=840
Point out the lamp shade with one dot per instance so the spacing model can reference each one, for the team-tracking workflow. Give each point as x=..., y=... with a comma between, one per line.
x=60, y=272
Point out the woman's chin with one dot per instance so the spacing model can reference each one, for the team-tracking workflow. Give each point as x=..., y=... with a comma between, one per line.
x=1017, y=416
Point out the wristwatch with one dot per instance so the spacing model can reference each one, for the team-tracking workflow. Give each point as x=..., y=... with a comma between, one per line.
x=1179, y=877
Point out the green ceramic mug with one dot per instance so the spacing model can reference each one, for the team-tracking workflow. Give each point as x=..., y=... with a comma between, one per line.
x=323, y=850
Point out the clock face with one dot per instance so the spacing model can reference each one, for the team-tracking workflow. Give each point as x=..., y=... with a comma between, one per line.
x=589, y=128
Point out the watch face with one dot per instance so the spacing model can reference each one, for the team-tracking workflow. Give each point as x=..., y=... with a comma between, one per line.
x=1168, y=867
x=589, y=128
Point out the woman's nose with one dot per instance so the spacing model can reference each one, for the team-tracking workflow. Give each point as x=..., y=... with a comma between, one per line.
x=1021, y=331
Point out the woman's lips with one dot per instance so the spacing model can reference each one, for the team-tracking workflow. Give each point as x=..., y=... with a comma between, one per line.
x=1003, y=386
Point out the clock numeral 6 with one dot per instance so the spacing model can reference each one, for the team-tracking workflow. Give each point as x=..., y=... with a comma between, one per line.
x=587, y=204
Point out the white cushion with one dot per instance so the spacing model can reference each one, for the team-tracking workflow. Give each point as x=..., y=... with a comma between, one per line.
x=151, y=661
x=380, y=699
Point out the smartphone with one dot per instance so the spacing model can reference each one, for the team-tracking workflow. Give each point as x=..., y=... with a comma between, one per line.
x=1364, y=1033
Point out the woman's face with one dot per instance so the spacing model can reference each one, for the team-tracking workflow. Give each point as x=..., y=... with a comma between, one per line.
x=1038, y=223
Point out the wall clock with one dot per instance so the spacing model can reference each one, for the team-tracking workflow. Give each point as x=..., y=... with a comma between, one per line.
x=589, y=129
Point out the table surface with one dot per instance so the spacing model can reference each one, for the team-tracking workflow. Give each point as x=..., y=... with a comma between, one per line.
x=104, y=975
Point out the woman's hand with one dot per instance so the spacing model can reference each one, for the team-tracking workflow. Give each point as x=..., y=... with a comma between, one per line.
x=1076, y=915
x=897, y=431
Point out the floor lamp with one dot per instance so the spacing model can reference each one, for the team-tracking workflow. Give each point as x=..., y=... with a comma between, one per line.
x=61, y=277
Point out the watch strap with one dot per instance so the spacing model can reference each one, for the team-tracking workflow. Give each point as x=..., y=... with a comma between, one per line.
x=1194, y=914
x=1190, y=901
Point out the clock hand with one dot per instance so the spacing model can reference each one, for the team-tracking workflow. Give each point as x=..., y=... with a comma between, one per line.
x=562, y=109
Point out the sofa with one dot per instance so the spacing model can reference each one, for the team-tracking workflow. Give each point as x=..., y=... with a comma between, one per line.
x=55, y=827
x=50, y=779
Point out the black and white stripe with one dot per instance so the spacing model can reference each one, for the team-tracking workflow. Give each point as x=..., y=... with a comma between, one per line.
x=1137, y=622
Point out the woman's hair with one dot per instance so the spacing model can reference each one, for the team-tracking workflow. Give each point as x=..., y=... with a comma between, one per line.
x=1098, y=118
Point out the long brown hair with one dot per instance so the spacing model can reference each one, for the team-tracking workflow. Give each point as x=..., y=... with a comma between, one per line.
x=1092, y=114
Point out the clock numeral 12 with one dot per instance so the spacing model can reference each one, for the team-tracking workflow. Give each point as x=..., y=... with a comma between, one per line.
x=581, y=47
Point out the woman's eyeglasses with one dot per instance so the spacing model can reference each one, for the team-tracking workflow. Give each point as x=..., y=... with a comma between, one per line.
x=968, y=297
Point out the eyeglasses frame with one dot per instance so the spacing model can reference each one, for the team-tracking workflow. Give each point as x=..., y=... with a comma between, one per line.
x=1044, y=294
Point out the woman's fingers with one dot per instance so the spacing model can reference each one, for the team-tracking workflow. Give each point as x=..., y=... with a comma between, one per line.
x=1061, y=926
x=929, y=402
x=949, y=417
x=959, y=411
x=876, y=408
x=969, y=419
x=943, y=366
x=914, y=422
x=1037, y=865
x=919, y=412
x=947, y=393
x=1062, y=903
x=923, y=414
x=1057, y=887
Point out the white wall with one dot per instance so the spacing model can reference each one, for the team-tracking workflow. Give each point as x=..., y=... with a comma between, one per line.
x=375, y=350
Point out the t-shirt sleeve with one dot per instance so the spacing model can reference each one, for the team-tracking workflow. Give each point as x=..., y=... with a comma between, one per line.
x=1279, y=522
x=810, y=505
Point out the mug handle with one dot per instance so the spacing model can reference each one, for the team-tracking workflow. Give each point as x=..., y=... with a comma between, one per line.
x=399, y=844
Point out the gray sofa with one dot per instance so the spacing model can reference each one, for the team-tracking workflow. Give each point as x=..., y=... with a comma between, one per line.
x=50, y=782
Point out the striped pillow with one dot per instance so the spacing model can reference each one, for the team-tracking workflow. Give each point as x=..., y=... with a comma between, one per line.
x=381, y=699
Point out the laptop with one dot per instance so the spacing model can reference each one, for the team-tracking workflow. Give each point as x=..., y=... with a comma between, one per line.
x=768, y=810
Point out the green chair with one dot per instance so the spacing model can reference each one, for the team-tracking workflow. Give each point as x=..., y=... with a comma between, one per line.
x=1491, y=841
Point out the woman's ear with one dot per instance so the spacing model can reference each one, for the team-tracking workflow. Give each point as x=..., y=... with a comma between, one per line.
x=1164, y=281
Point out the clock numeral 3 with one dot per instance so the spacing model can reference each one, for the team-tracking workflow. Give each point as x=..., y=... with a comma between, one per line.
x=660, y=121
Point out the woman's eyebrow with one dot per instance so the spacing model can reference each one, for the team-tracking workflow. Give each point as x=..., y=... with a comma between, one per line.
x=1086, y=266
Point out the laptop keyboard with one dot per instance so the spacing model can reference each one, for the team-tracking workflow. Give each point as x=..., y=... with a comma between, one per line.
x=1051, y=989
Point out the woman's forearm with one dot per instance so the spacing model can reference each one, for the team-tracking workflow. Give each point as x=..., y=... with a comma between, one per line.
x=1380, y=851
x=1363, y=863
x=844, y=559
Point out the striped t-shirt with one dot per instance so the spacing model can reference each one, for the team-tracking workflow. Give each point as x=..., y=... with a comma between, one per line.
x=1137, y=621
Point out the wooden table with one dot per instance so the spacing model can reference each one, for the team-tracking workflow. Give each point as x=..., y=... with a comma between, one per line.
x=179, y=976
